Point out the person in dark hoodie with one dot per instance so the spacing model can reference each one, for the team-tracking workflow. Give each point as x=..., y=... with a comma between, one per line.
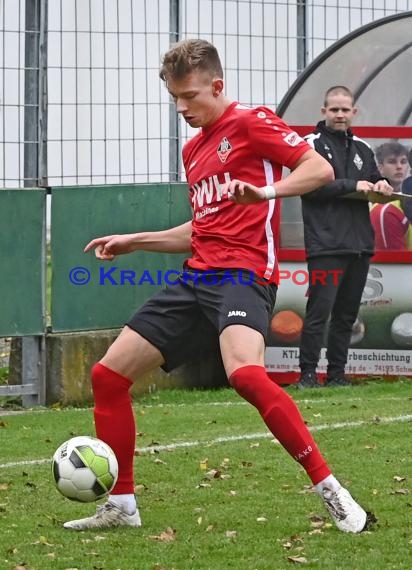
x=339, y=239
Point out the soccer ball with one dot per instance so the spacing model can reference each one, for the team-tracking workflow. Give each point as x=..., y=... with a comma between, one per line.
x=85, y=469
x=401, y=330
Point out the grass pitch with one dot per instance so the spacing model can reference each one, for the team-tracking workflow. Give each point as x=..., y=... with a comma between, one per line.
x=215, y=491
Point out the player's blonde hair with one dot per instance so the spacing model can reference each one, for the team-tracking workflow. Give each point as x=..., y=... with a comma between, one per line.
x=190, y=55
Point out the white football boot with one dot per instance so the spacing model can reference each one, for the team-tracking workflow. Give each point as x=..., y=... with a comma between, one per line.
x=108, y=515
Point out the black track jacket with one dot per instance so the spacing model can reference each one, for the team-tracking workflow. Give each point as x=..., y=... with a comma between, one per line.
x=333, y=224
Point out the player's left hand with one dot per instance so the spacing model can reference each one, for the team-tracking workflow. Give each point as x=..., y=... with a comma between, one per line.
x=382, y=187
x=243, y=192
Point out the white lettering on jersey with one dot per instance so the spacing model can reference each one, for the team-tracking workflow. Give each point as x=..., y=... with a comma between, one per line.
x=206, y=212
x=207, y=191
x=236, y=314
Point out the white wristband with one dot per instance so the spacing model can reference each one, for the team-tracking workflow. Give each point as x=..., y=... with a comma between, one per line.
x=270, y=192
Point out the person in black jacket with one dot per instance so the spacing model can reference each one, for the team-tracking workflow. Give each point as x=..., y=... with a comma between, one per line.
x=339, y=239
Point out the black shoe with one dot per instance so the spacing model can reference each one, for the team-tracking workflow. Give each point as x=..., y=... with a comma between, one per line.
x=308, y=380
x=337, y=381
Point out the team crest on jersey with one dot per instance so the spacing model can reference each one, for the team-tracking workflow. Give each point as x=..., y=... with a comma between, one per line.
x=358, y=161
x=224, y=149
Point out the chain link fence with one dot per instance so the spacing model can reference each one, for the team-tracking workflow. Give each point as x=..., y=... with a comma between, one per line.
x=79, y=86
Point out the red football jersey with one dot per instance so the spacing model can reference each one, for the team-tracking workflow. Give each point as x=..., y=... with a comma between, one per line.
x=390, y=226
x=250, y=144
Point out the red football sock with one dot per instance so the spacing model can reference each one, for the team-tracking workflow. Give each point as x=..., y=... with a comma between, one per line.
x=114, y=421
x=282, y=417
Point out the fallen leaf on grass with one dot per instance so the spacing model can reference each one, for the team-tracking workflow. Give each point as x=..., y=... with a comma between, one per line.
x=210, y=527
x=307, y=489
x=399, y=479
x=2, y=424
x=43, y=540
x=203, y=464
x=261, y=520
x=316, y=521
x=297, y=559
x=292, y=542
x=4, y=486
x=167, y=535
x=213, y=474
x=157, y=460
x=400, y=492
x=231, y=534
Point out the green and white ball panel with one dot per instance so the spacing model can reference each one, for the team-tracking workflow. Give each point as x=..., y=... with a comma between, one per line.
x=85, y=469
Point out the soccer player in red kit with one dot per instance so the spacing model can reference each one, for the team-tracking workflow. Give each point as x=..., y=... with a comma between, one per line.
x=226, y=292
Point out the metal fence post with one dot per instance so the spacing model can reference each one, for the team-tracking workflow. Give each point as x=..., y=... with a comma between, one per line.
x=35, y=174
x=174, y=130
x=301, y=35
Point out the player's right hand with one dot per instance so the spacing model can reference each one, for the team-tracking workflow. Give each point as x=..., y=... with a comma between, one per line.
x=242, y=192
x=106, y=248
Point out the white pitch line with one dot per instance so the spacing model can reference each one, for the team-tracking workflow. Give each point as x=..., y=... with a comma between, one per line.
x=138, y=406
x=226, y=439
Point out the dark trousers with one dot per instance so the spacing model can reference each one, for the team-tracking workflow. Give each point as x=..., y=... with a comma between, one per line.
x=336, y=285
